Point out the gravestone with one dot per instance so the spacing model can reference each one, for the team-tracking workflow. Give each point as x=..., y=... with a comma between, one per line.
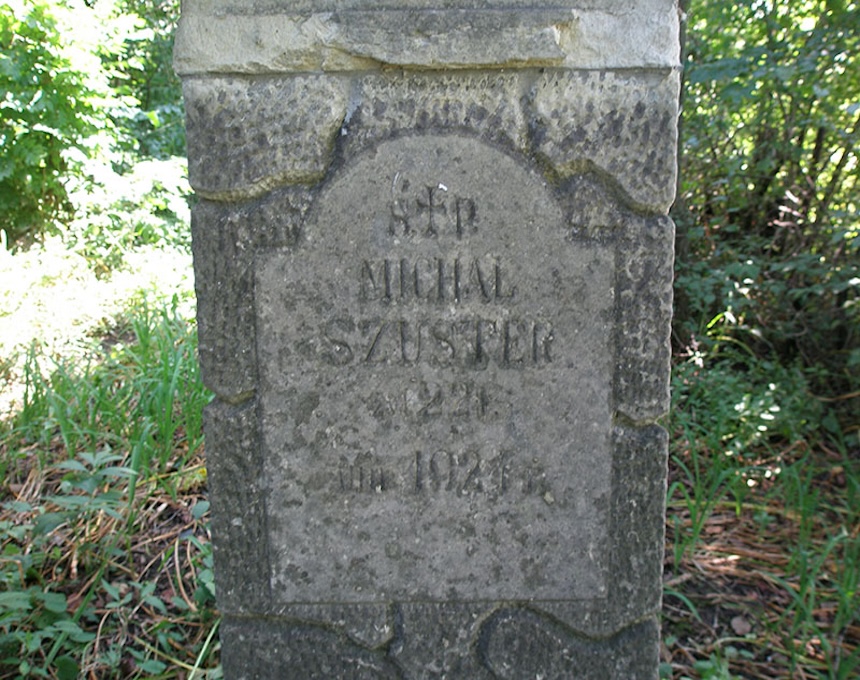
x=434, y=270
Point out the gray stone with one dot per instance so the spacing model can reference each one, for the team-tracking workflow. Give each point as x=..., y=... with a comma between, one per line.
x=417, y=351
x=255, y=135
x=282, y=650
x=434, y=279
x=234, y=468
x=484, y=103
x=644, y=294
x=225, y=243
x=624, y=125
x=518, y=643
x=277, y=37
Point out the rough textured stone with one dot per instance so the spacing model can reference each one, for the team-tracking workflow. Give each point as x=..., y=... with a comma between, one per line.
x=265, y=37
x=290, y=650
x=249, y=136
x=234, y=469
x=225, y=242
x=644, y=292
x=639, y=492
x=518, y=643
x=622, y=124
x=272, y=6
x=372, y=626
x=417, y=348
x=636, y=541
x=441, y=641
x=449, y=641
x=434, y=278
x=486, y=103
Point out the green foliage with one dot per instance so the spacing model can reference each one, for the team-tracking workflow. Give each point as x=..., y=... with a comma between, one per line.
x=48, y=109
x=88, y=86
x=140, y=398
x=768, y=214
x=730, y=408
x=102, y=451
x=745, y=445
x=146, y=205
x=152, y=120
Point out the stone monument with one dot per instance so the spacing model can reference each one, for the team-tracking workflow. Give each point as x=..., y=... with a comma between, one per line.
x=434, y=275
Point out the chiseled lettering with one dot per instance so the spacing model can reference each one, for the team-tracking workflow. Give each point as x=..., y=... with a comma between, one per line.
x=363, y=475
x=431, y=212
x=470, y=342
x=434, y=280
x=425, y=400
x=467, y=216
x=433, y=207
x=471, y=472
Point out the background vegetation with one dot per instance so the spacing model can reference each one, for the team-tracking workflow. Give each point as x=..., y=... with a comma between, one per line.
x=105, y=564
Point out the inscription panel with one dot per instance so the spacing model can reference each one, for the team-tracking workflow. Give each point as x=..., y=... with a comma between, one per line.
x=435, y=362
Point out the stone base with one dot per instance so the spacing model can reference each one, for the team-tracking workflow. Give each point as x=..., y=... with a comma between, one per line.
x=469, y=642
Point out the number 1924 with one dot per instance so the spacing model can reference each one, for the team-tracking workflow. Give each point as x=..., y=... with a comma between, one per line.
x=466, y=472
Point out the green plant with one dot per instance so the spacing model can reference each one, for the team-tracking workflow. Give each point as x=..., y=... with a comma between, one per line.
x=90, y=91
x=170, y=395
x=728, y=409
x=152, y=121
x=715, y=667
x=105, y=563
x=49, y=108
x=147, y=205
x=768, y=245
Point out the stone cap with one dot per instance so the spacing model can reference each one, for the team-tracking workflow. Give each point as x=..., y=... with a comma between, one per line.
x=288, y=36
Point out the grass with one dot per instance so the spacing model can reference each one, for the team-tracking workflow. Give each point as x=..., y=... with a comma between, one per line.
x=105, y=563
x=763, y=561
x=106, y=568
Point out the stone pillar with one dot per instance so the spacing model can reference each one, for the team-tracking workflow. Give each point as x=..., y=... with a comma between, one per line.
x=434, y=280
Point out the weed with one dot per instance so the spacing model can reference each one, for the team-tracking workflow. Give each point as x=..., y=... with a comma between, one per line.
x=762, y=523
x=105, y=564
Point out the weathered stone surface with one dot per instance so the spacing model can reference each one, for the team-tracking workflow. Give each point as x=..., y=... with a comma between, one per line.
x=234, y=469
x=486, y=103
x=639, y=490
x=247, y=137
x=438, y=640
x=593, y=208
x=372, y=626
x=225, y=242
x=520, y=643
x=418, y=349
x=434, y=284
x=290, y=650
x=644, y=294
x=273, y=6
x=441, y=641
x=265, y=37
x=624, y=125
x=636, y=539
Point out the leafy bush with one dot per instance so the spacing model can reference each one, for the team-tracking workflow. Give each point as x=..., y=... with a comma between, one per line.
x=769, y=228
x=85, y=82
x=146, y=205
x=152, y=123
x=48, y=108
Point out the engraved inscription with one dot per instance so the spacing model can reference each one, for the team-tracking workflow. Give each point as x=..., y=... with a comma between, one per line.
x=473, y=343
x=365, y=474
x=432, y=378
x=468, y=471
x=425, y=400
x=435, y=280
x=430, y=212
